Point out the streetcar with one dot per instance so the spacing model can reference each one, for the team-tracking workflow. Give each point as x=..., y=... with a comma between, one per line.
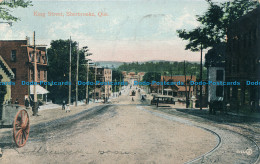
x=163, y=99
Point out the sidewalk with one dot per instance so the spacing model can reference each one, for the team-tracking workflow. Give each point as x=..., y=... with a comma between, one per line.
x=55, y=112
x=48, y=114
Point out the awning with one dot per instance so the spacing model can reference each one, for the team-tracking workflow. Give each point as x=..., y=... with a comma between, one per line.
x=39, y=90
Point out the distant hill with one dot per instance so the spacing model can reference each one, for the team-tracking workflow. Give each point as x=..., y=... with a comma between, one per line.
x=116, y=64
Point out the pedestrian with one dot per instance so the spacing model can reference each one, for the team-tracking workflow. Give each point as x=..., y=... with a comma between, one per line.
x=26, y=103
x=67, y=109
x=16, y=101
x=63, y=105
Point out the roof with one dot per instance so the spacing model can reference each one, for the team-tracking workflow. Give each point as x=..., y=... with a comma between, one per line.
x=157, y=95
x=178, y=78
x=182, y=88
x=6, y=68
x=39, y=90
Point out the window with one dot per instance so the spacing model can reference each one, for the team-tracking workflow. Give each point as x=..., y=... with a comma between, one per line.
x=32, y=75
x=14, y=71
x=220, y=75
x=39, y=74
x=38, y=58
x=43, y=59
x=13, y=55
x=219, y=91
x=45, y=75
x=245, y=40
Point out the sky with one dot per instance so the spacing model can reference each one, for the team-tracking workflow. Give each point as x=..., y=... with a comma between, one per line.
x=121, y=30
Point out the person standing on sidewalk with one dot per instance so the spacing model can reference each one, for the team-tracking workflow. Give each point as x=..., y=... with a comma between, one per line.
x=63, y=105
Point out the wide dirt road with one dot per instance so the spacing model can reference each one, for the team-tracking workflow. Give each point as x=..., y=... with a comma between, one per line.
x=116, y=133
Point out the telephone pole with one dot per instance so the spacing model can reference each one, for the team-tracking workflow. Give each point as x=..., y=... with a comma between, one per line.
x=201, y=76
x=35, y=105
x=35, y=101
x=69, y=102
x=77, y=76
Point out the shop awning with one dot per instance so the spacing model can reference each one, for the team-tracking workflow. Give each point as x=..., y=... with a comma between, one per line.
x=39, y=90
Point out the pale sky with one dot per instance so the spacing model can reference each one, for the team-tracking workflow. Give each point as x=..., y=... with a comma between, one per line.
x=134, y=30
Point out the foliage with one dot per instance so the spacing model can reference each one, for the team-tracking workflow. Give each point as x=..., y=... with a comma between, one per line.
x=7, y=5
x=214, y=23
x=152, y=76
x=58, y=70
x=215, y=57
x=116, y=77
x=169, y=68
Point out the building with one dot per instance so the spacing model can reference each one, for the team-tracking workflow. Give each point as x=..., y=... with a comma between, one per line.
x=132, y=76
x=19, y=56
x=6, y=76
x=101, y=90
x=177, y=90
x=243, y=62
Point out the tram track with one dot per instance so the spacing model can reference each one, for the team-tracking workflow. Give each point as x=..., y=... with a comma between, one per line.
x=201, y=158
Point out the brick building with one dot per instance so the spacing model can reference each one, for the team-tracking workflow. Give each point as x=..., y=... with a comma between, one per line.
x=20, y=59
x=243, y=62
x=6, y=76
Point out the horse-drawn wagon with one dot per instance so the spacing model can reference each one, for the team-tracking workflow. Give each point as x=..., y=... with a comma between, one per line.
x=15, y=116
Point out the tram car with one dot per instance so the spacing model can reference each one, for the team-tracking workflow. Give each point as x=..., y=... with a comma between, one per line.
x=216, y=75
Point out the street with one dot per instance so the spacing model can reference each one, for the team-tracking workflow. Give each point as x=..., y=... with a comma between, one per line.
x=127, y=131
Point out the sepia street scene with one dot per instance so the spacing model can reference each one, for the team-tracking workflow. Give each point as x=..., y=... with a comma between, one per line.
x=141, y=81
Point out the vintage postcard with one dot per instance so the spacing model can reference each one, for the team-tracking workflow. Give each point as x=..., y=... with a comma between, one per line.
x=129, y=81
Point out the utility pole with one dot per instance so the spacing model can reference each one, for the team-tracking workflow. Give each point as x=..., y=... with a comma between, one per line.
x=87, y=99
x=185, y=85
x=201, y=76
x=35, y=105
x=95, y=83
x=77, y=76
x=69, y=102
x=35, y=101
x=85, y=48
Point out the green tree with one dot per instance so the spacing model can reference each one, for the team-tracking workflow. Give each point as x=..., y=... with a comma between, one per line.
x=152, y=76
x=116, y=77
x=58, y=70
x=7, y=5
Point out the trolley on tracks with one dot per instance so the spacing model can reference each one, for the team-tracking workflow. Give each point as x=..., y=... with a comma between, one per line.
x=17, y=117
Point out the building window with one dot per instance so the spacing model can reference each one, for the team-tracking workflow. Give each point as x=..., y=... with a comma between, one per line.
x=39, y=74
x=45, y=75
x=32, y=75
x=219, y=91
x=38, y=58
x=245, y=40
x=14, y=71
x=13, y=55
x=220, y=75
x=43, y=59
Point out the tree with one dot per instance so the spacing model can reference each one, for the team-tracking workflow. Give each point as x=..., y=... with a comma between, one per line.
x=214, y=24
x=215, y=57
x=116, y=77
x=6, y=5
x=58, y=70
x=152, y=76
